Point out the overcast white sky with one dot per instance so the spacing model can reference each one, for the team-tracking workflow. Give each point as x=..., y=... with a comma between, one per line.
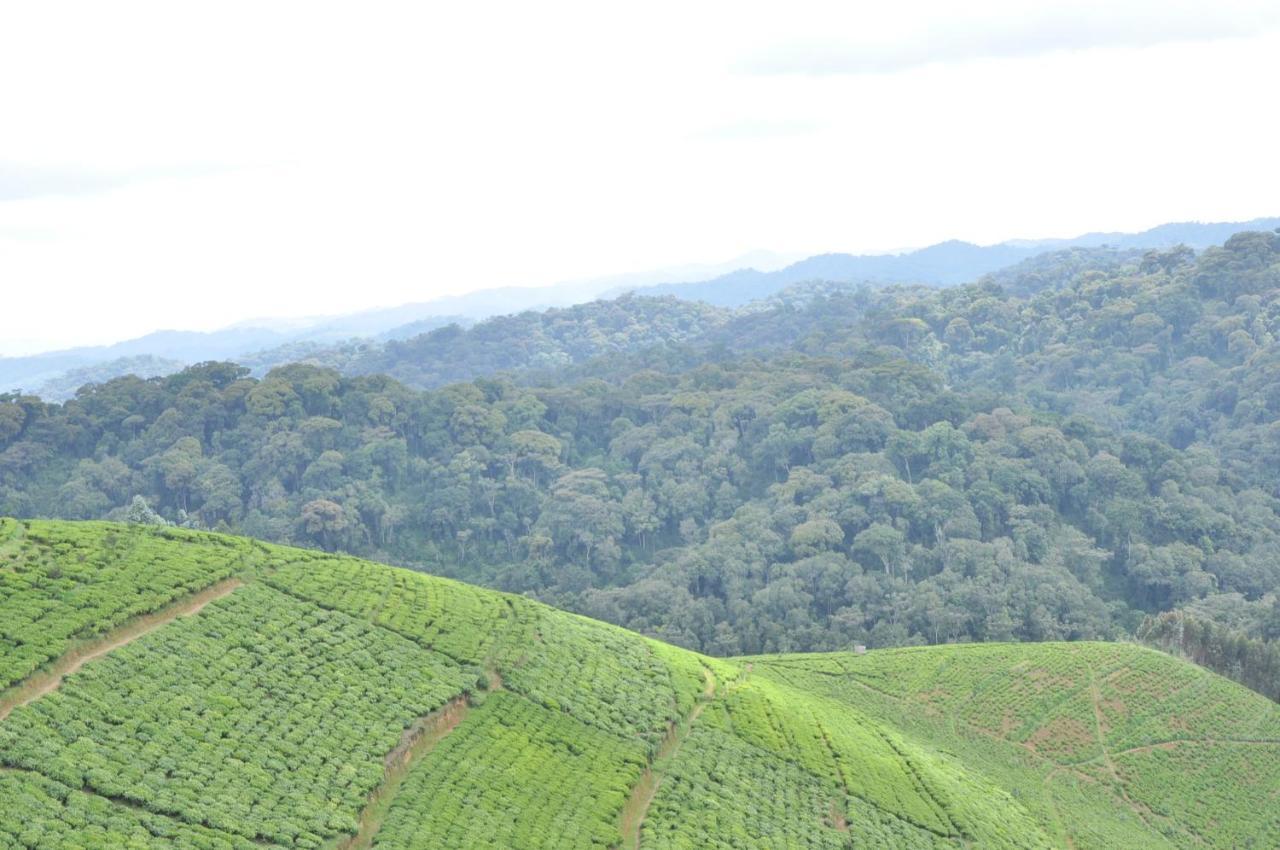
x=190, y=165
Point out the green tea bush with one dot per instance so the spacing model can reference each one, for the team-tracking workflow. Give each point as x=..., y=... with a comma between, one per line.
x=723, y=792
x=262, y=716
x=39, y=814
x=515, y=774
x=601, y=675
x=71, y=581
x=447, y=616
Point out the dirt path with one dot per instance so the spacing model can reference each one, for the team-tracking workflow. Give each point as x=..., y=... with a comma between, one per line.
x=417, y=741
x=1174, y=742
x=642, y=794
x=1141, y=811
x=48, y=680
x=1063, y=828
x=1095, y=698
x=835, y=816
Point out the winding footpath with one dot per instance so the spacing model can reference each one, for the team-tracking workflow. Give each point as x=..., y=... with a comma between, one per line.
x=637, y=806
x=418, y=740
x=48, y=680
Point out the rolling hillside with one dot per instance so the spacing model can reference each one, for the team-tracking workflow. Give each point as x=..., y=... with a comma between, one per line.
x=162, y=688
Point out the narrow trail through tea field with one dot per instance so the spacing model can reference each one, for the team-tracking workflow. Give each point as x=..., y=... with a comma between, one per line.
x=1143, y=812
x=50, y=679
x=416, y=743
x=418, y=740
x=642, y=794
x=1062, y=825
x=1175, y=742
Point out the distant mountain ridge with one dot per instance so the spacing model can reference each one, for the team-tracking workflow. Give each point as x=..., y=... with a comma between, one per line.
x=184, y=347
x=944, y=264
x=264, y=343
x=268, y=341
x=1194, y=235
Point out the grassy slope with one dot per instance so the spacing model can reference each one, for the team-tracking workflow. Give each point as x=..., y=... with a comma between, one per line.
x=274, y=715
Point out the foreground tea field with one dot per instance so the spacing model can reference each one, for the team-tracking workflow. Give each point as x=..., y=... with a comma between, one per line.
x=327, y=703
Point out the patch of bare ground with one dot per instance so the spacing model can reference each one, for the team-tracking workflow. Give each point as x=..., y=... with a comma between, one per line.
x=1039, y=679
x=50, y=679
x=1060, y=735
x=934, y=701
x=836, y=819
x=494, y=679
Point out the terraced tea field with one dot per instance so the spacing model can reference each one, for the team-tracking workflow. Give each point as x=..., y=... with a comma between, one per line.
x=170, y=689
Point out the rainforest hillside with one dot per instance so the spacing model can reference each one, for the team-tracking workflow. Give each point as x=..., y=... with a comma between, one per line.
x=165, y=688
x=1057, y=453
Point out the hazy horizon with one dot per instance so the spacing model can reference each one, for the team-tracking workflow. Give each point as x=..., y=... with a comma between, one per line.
x=589, y=288
x=167, y=168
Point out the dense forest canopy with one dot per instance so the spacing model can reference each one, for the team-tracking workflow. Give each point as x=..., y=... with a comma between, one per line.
x=1053, y=452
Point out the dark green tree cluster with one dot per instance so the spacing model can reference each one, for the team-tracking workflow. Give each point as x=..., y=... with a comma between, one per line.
x=1250, y=661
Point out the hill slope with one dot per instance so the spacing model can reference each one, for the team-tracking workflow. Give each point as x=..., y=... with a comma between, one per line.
x=166, y=688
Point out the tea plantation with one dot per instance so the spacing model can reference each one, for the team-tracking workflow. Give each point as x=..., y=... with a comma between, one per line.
x=327, y=703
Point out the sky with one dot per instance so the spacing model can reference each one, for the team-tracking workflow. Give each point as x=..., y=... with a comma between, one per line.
x=184, y=165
